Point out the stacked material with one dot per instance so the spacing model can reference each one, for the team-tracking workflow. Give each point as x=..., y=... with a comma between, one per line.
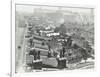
x=49, y=61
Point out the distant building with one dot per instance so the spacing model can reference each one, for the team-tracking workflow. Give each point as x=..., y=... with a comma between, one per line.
x=53, y=34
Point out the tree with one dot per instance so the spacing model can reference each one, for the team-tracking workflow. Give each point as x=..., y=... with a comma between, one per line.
x=61, y=29
x=84, y=54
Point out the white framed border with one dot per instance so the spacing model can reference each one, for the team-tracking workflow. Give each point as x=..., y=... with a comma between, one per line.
x=52, y=4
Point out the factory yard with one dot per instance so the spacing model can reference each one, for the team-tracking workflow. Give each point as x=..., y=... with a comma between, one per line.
x=89, y=65
x=51, y=41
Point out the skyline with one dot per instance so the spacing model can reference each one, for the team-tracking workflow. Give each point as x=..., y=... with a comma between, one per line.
x=30, y=9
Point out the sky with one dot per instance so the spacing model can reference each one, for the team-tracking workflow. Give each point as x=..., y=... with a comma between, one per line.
x=30, y=9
